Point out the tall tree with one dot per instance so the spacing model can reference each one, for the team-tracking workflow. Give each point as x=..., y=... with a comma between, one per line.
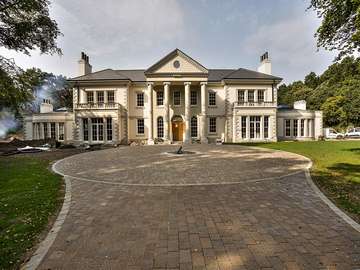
x=25, y=25
x=340, y=26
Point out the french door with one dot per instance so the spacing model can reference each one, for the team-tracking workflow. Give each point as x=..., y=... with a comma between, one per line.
x=97, y=129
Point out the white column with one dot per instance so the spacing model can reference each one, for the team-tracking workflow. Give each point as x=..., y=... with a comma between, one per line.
x=311, y=129
x=149, y=112
x=262, y=127
x=234, y=127
x=95, y=96
x=187, y=112
x=105, y=97
x=166, y=110
x=256, y=96
x=299, y=128
x=89, y=130
x=248, y=127
x=203, y=129
x=104, y=128
x=306, y=130
x=246, y=96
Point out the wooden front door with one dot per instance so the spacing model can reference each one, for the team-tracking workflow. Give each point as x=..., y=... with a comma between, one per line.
x=177, y=131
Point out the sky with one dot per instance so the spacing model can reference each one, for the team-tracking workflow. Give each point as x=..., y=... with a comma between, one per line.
x=124, y=34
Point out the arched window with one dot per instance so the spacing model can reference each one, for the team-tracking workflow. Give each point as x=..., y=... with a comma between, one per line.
x=193, y=127
x=160, y=127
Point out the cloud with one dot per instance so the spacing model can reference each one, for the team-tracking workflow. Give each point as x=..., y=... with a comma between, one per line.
x=292, y=46
x=108, y=26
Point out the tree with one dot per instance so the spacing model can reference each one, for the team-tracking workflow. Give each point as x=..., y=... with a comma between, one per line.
x=26, y=25
x=340, y=26
x=333, y=112
x=312, y=80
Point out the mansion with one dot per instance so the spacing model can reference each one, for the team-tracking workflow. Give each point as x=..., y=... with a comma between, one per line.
x=175, y=100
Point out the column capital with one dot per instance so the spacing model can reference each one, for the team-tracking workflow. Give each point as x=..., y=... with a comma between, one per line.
x=166, y=83
x=187, y=83
x=149, y=83
x=203, y=83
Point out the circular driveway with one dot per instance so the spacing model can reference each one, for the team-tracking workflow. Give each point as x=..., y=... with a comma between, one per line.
x=223, y=207
x=159, y=165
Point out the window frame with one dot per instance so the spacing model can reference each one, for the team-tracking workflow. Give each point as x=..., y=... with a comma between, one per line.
x=193, y=98
x=243, y=126
x=109, y=129
x=88, y=97
x=212, y=125
x=194, y=127
x=61, y=135
x=266, y=127
x=252, y=100
x=140, y=99
x=100, y=94
x=295, y=127
x=160, y=127
x=262, y=91
x=85, y=124
x=53, y=130
x=177, y=98
x=242, y=95
x=159, y=97
x=212, y=98
x=138, y=126
x=113, y=97
x=287, y=127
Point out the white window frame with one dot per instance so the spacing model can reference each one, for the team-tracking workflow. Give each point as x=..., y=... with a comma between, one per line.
x=212, y=97
x=88, y=95
x=160, y=97
x=140, y=99
x=242, y=95
x=113, y=94
x=253, y=95
x=99, y=94
x=263, y=95
x=160, y=128
x=179, y=98
x=212, y=125
x=137, y=126
x=287, y=127
x=193, y=98
x=194, y=127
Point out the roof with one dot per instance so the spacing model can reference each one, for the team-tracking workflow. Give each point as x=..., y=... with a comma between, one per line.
x=170, y=56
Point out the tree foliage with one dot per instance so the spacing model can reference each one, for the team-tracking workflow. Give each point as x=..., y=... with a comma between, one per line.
x=340, y=26
x=336, y=92
x=26, y=25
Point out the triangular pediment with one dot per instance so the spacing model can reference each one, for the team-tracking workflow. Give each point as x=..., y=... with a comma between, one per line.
x=176, y=62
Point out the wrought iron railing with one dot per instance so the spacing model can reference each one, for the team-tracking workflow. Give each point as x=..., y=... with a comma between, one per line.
x=97, y=106
x=254, y=104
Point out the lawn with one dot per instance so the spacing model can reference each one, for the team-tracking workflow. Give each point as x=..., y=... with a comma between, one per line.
x=30, y=197
x=336, y=169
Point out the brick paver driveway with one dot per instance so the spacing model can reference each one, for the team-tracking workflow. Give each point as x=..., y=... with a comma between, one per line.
x=222, y=207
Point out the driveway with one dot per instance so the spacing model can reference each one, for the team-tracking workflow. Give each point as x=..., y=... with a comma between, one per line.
x=219, y=207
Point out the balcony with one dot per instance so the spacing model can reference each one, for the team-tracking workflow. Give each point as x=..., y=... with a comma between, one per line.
x=97, y=106
x=255, y=104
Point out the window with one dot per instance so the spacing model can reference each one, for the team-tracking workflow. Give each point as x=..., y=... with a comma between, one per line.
x=160, y=127
x=177, y=98
x=255, y=127
x=61, y=131
x=243, y=126
x=241, y=96
x=110, y=97
x=140, y=99
x=97, y=125
x=251, y=95
x=212, y=124
x=193, y=97
x=295, y=128
x=266, y=127
x=194, y=127
x=260, y=96
x=287, y=128
x=100, y=96
x=302, y=123
x=85, y=129
x=160, y=98
x=90, y=97
x=46, y=134
x=212, y=98
x=140, y=126
x=109, y=129
x=52, y=131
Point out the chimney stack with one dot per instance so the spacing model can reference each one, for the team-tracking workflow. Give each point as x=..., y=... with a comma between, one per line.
x=46, y=106
x=84, y=65
x=265, y=64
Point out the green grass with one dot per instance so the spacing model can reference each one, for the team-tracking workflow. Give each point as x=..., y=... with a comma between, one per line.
x=336, y=169
x=30, y=194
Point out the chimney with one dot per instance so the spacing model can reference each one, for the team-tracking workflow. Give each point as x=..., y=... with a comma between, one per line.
x=46, y=106
x=300, y=105
x=265, y=64
x=84, y=65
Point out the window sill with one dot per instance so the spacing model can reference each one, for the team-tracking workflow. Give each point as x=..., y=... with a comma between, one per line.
x=212, y=106
x=194, y=105
x=139, y=107
x=140, y=135
x=177, y=106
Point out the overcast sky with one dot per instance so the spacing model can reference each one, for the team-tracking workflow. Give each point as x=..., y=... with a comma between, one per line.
x=122, y=34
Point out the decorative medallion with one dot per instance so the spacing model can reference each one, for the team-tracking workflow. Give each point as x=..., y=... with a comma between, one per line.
x=176, y=64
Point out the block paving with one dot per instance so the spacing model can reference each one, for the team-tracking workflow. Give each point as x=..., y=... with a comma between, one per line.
x=255, y=223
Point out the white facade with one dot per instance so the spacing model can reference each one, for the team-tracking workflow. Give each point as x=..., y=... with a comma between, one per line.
x=177, y=99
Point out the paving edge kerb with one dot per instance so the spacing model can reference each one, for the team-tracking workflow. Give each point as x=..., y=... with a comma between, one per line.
x=44, y=246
